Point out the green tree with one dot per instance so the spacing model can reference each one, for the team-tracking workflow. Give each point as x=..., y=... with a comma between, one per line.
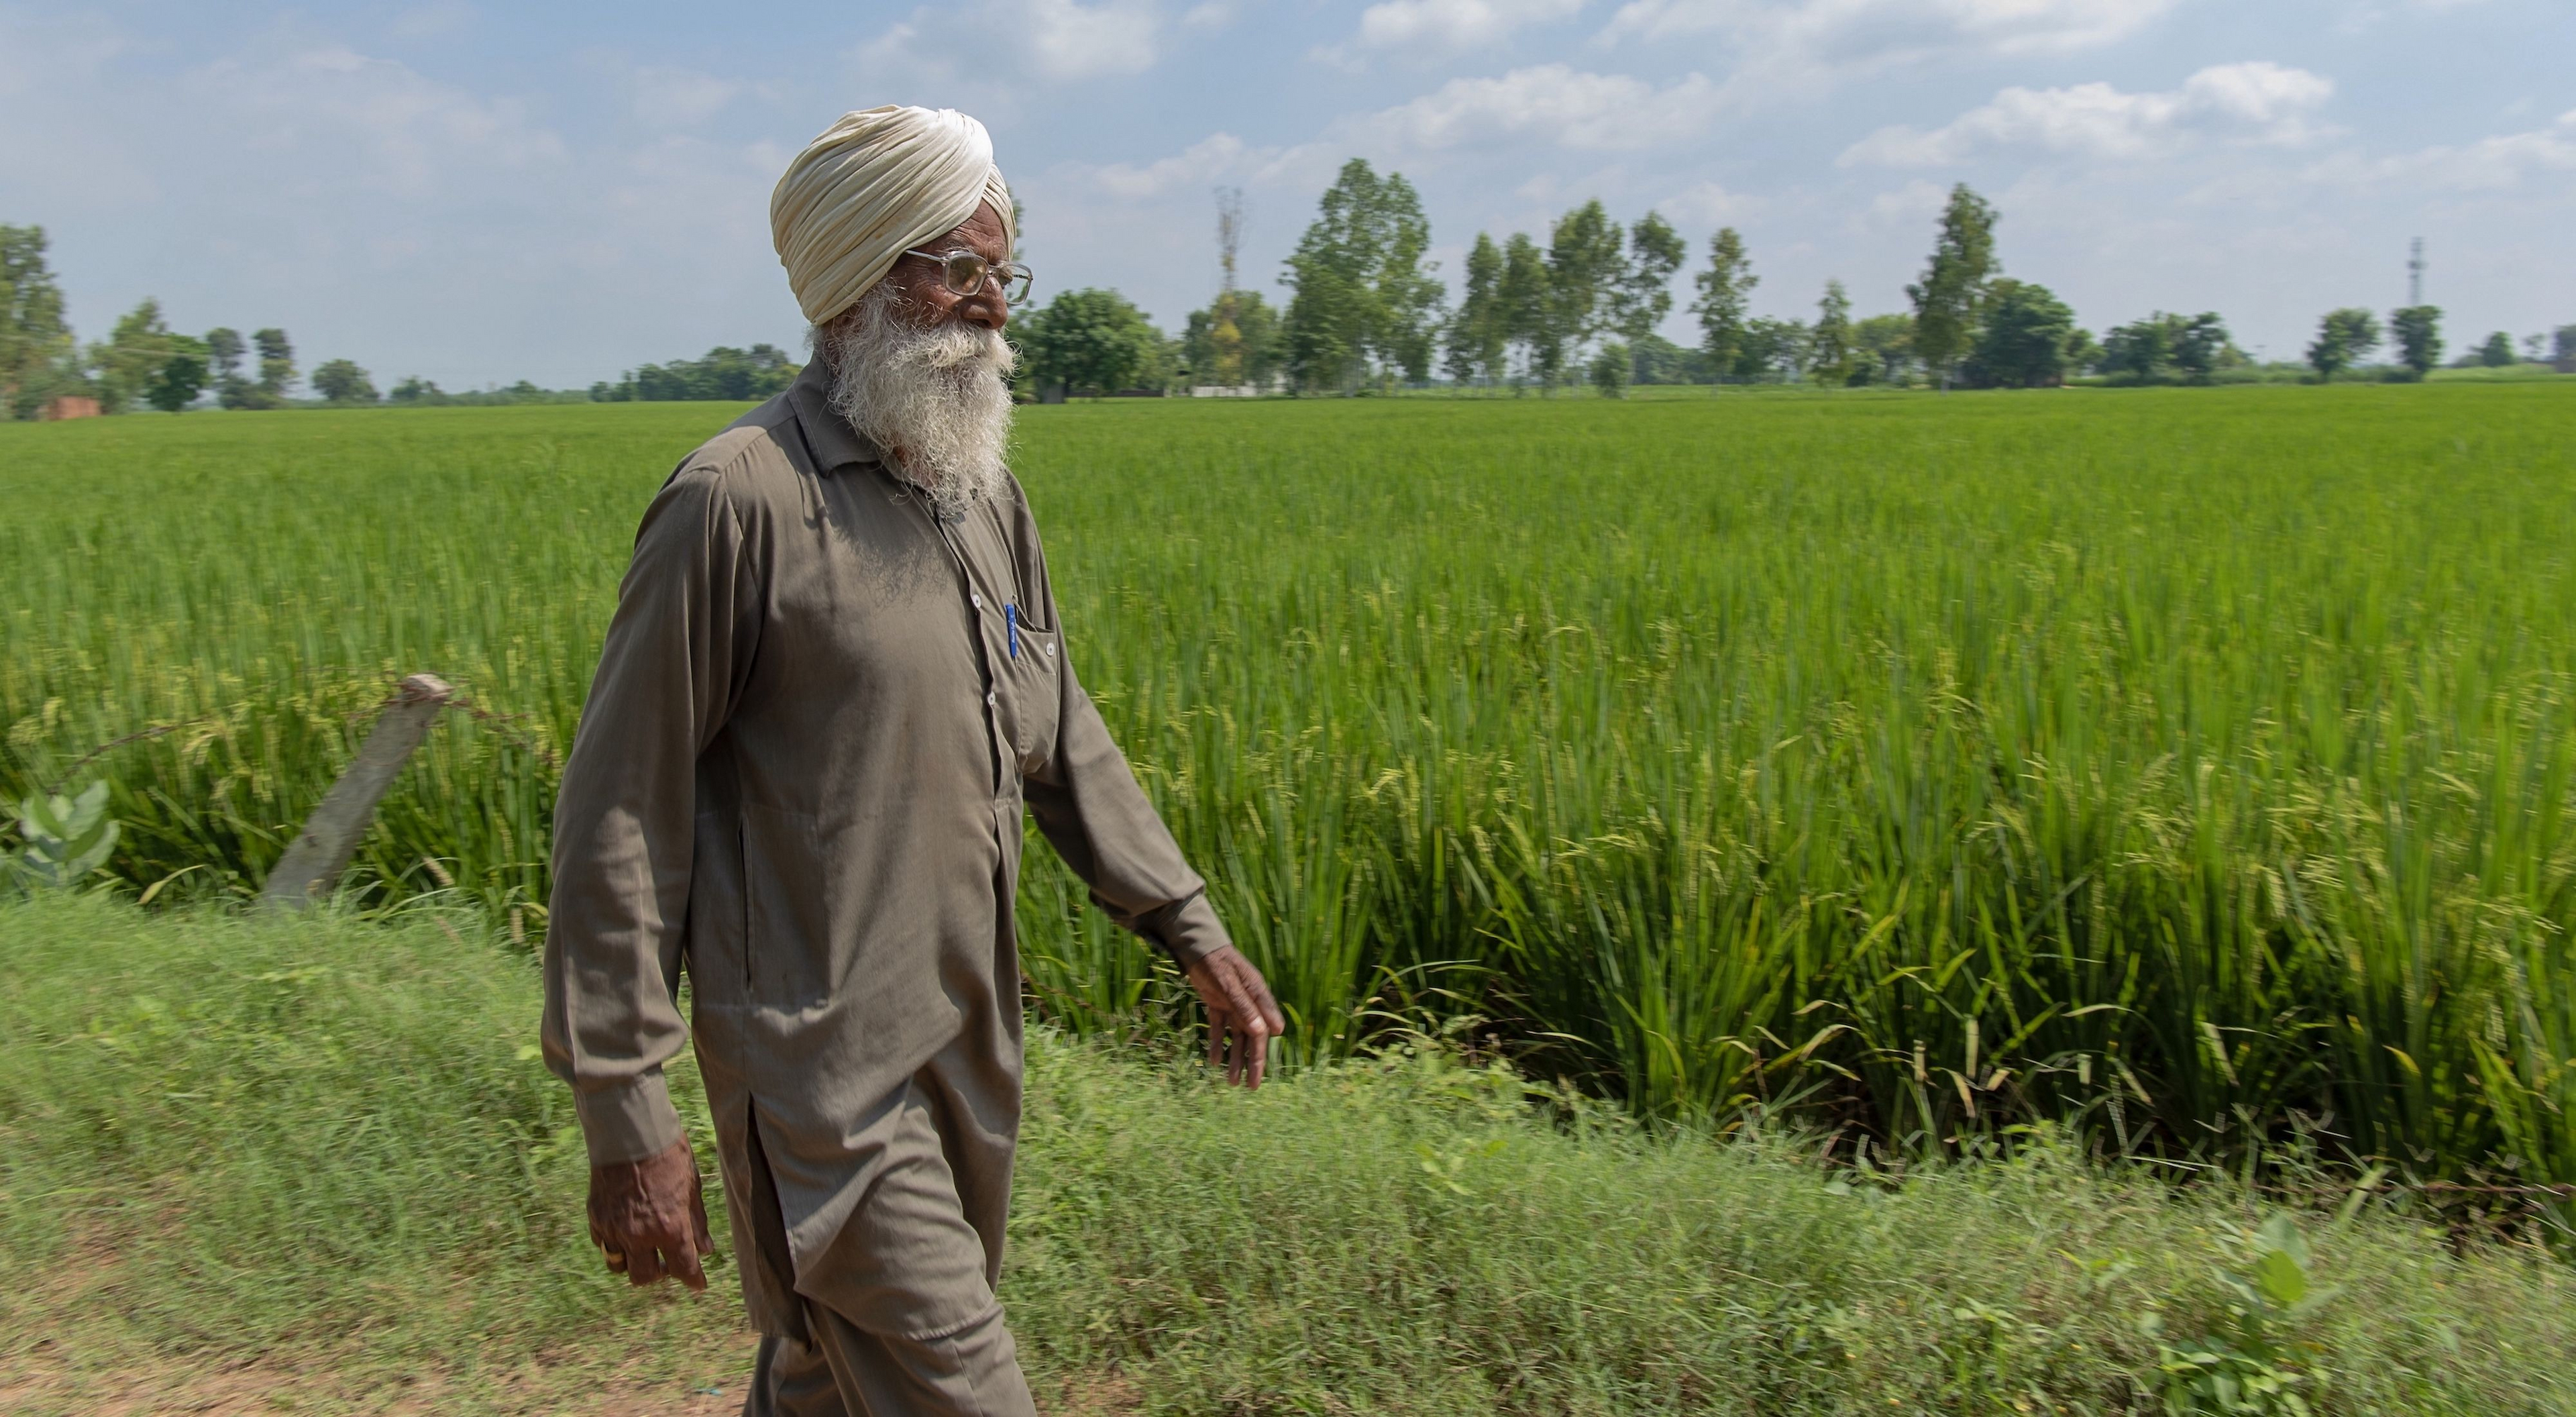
x=725, y=375
x=1361, y=292
x=1584, y=267
x=1523, y=298
x=2083, y=352
x=343, y=382
x=1644, y=293
x=1951, y=295
x=2497, y=352
x=1773, y=349
x=181, y=377
x=2416, y=331
x=1657, y=360
x=1092, y=342
x=1256, y=351
x=1724, y=290
x=2343, y=337
x=1612, y=368
x=1476, y=336
x=2024, y=340
x=1829, y=358
x=2143, y=350
x=276, y=363
x=133, y=356
x=2202, y=346
x=225, y=350
x=36, y=352
x=1887, y=342
x=417, y=390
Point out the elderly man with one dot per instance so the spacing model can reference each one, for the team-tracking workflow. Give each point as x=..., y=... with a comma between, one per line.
x=835, y=675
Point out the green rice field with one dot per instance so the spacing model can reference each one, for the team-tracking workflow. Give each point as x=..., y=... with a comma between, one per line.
x=2190, y=765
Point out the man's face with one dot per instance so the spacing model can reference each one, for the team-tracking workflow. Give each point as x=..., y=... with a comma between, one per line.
x=927, y=300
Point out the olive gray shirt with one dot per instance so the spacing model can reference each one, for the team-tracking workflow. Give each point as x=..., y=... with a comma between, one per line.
x=799, y=776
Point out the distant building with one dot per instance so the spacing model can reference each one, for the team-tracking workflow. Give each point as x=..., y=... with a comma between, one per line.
x=67, y=406
x=1224, y=391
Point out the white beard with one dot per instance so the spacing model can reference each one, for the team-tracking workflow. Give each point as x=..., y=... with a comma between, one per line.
x=942, y=395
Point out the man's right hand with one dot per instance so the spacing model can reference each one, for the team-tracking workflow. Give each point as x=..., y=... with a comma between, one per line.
x=649, y=1220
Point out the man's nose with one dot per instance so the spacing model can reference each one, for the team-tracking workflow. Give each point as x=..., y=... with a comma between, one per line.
x=989, y=310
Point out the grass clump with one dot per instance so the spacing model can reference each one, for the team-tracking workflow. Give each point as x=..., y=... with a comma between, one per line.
x=319, y=1143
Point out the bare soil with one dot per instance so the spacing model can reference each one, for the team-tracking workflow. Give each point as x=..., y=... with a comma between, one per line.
x=46, y=1383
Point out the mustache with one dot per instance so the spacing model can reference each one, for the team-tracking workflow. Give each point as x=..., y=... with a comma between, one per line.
x=887, y=335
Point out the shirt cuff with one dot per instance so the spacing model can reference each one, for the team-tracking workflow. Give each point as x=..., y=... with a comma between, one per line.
x=1188, y=929
x=628, y=1122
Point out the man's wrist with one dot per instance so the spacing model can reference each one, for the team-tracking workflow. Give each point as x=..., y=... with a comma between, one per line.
x=630, y=1121
x=1189, y=931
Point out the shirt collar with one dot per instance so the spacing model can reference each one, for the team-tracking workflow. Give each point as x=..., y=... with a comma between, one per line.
x=835, y=443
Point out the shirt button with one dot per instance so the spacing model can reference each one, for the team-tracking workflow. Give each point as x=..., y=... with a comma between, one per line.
x=988, y=697
x=978, y=598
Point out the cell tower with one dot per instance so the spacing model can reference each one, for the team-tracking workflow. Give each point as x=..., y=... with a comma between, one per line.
x=2415, y=273
x=1229, y=230
x=1225, y=334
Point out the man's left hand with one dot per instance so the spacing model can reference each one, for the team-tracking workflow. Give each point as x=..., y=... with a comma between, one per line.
x=1242, y=1017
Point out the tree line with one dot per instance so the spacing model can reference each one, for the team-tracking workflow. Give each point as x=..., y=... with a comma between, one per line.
x=1366, y=313
x=143, y=363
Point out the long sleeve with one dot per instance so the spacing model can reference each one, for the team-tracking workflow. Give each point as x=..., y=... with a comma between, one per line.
x=1087, y=802
x=676, y=653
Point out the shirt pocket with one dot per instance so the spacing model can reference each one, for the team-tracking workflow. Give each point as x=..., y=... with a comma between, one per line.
x=1029, y=670
x=719, y=963
x=793, y=899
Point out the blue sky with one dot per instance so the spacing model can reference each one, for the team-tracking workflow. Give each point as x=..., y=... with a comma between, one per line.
x=479, y=193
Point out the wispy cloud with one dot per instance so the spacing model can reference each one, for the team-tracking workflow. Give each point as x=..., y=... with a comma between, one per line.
x=1786, y=43
x=1451, y=26
x=1550, y=104
x=990, y=43
x=2491, y=164
x=2257, y=102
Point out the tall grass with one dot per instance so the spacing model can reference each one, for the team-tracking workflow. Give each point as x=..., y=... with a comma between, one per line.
x=324, y=1148
x=2195, y=765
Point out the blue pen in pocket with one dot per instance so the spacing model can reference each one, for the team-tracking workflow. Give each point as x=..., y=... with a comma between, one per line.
x=1011, y=619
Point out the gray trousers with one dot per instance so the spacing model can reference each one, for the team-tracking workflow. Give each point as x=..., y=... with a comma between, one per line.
x=845, y=1371
x=898, y=1313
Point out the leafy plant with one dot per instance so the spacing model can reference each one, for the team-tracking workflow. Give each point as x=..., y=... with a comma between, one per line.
x=67, y=838
x=2249, y=1367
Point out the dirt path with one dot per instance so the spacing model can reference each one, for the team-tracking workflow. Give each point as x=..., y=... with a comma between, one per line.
x=43, y=1384
x=40, y=1386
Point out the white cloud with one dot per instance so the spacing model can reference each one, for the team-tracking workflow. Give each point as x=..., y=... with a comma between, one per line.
x=1789, y=42
x=1551, y=103
x=1203, y=162
x=1710, y=204
x=1907, y=204
x=2490, y=164
x=2258, y=102
x=1055, y=41
x=1455, y=24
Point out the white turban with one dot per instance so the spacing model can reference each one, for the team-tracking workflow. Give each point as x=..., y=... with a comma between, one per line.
x=872, y=186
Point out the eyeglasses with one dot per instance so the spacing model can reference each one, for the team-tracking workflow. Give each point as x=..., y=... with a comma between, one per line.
x=964, y=273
